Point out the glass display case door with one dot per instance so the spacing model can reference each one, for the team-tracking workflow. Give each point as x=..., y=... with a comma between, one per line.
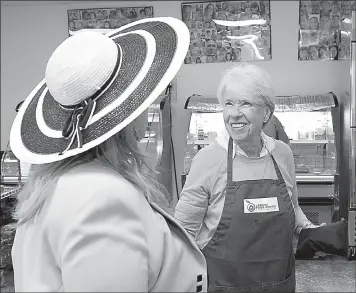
x=157, y=143
x=151, y=144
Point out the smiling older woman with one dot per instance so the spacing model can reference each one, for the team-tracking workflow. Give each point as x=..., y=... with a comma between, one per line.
x=240, y=197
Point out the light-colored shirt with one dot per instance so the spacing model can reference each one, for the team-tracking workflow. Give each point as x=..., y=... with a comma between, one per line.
x=202, y=199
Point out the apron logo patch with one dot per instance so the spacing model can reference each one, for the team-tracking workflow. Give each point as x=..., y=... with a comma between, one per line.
x=250, y=206
x=261, y=205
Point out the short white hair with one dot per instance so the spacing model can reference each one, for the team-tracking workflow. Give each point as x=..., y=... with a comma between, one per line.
x=256, y=80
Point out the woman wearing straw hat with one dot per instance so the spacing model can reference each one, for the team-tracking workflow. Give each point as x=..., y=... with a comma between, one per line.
x=243, y=209
x=91, y=216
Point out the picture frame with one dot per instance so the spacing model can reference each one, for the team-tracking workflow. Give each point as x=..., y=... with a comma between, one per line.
x=211, y=42
x=324, y=30
x=105, y=19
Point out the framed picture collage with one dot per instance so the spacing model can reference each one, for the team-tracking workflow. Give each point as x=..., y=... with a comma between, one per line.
x=324, y=30
x=105, y=19
x=211, y=42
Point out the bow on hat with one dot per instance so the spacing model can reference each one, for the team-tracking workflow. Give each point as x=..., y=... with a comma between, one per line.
x=78, y=121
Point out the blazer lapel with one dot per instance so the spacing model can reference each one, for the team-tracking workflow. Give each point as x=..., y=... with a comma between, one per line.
x=174, y=222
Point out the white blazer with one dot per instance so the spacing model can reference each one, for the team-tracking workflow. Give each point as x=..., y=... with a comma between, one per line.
x=98, y=233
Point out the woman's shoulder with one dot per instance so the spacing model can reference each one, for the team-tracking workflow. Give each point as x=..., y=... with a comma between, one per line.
x=282, y=149
x=91, y=185
x=284, y=155
x=210, y=159
x=205, y=167
x=95, y=172
x=212, y=153
x=96, y=177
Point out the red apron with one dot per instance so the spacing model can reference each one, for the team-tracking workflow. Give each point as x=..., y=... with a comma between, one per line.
x=252, y=251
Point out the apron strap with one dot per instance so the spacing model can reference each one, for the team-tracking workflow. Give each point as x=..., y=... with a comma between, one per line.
x=230, y=160
x=278, y=171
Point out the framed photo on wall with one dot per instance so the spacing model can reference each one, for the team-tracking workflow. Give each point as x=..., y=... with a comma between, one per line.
x=227, y=31
x=105, y=19
x=324, y=30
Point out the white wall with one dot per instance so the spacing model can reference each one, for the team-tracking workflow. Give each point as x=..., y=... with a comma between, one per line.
x=31, y=30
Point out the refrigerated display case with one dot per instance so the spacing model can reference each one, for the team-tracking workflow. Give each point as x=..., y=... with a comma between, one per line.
x=157, y=143
x=347, y=147
x=309, y=121
x=13, y=175
x=350, y=140
x=13, y=172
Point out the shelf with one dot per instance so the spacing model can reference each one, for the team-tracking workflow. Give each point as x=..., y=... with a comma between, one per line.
x=200, y=141
x=13, y=179
x=310, y=141
x=11, y=161
x=310, y=178
x=146, y=139
x=296, y=141
x=316, y=201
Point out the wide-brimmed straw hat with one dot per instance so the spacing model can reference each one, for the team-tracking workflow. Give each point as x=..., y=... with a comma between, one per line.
x=95, y=85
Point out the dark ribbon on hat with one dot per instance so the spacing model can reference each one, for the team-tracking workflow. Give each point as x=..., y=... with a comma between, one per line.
x=82, y=113
x=78, y=121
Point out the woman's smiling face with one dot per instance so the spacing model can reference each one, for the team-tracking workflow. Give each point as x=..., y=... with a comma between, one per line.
x=243, y=113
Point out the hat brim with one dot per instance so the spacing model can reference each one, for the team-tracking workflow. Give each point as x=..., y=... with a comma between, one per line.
x=152, y=52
